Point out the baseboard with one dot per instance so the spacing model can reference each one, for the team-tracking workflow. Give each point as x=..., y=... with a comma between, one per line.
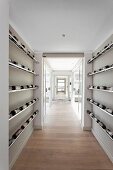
x=102, y=145
x=86, y=128
x=38, y=128
x=20, y=150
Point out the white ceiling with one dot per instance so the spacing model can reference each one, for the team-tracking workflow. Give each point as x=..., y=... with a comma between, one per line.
x=61, y=63
x=86, y=23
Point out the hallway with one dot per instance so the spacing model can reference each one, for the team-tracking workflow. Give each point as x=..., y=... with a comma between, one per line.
x=62, y=145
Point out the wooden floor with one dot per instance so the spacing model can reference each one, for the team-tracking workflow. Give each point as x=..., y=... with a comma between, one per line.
x=62, y=145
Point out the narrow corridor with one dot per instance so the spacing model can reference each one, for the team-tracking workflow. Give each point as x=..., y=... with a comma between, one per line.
x=62, y=145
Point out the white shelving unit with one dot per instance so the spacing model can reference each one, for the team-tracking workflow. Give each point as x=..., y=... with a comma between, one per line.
x=101, y=71
x=106, y=49
x=20, y=112
x=107, y=90
x=21, y=58
x=23, y=129
x=23, y=69
x=102, y=92
x=101, y=109
x=92, y=117
x=19, y=90
x=19, y=45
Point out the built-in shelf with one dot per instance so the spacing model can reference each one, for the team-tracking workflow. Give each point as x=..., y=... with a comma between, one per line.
x=32, y=117
x=106, y=90
x=101, y=108
x=18, y=44
x=92, y=117
x=19, y=90
x=102, y=70
x=106, y=49
x=12, y=117
x=19, y=67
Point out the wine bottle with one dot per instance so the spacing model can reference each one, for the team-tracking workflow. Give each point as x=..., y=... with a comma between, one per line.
x=98, y=87
x=21, y=108
x=91, y=100
x=109, y=110
x=23, y=45
x=15, y=38
x=24, y=106
x=109, y=132
x=22, y=66
x=22, y=127
x=14, y=112
x=92, y=115
x=11, y=141
x=107, y=66
x=27, y=104
x=88, y=99
x=22, y=87
x=88, y=112
x=104, y=87
x=102, y=106
x=27, y=121
x=97, y=120
x=102, y=125
x=17, y=134
x=25, y=124
x=15, y=62
x=13, y=87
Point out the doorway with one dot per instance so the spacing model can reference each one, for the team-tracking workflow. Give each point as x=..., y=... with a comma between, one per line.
x=64, y=82
x=61, y=85
x=61, y=88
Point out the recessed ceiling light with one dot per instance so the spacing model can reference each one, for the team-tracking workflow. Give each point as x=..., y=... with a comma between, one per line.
x=63, y=35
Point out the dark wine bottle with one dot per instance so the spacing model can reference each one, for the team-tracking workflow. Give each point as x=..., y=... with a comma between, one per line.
x=27, y=104
x=102, y=125
x=22, y=87
x=107, y=66
x=27, y=121
x=21, y=108
x=15, y=62
x=13, y=87
x=14, y=112
x=22, y=66
x=22, y=127
x=88, y=112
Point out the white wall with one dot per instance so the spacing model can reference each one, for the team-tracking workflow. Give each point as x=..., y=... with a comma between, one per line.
x=38, y=122
x=4, y=163
x=86, y=121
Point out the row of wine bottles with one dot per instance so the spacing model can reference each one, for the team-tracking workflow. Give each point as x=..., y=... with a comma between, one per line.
x=20, y=45
x=21, y=129
x=100, y=123
x=101, y=69
x=110, y=111
x=106, y=48
x=21, y=66
x=22, y=87
x=21, y=108
x=101, y=87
